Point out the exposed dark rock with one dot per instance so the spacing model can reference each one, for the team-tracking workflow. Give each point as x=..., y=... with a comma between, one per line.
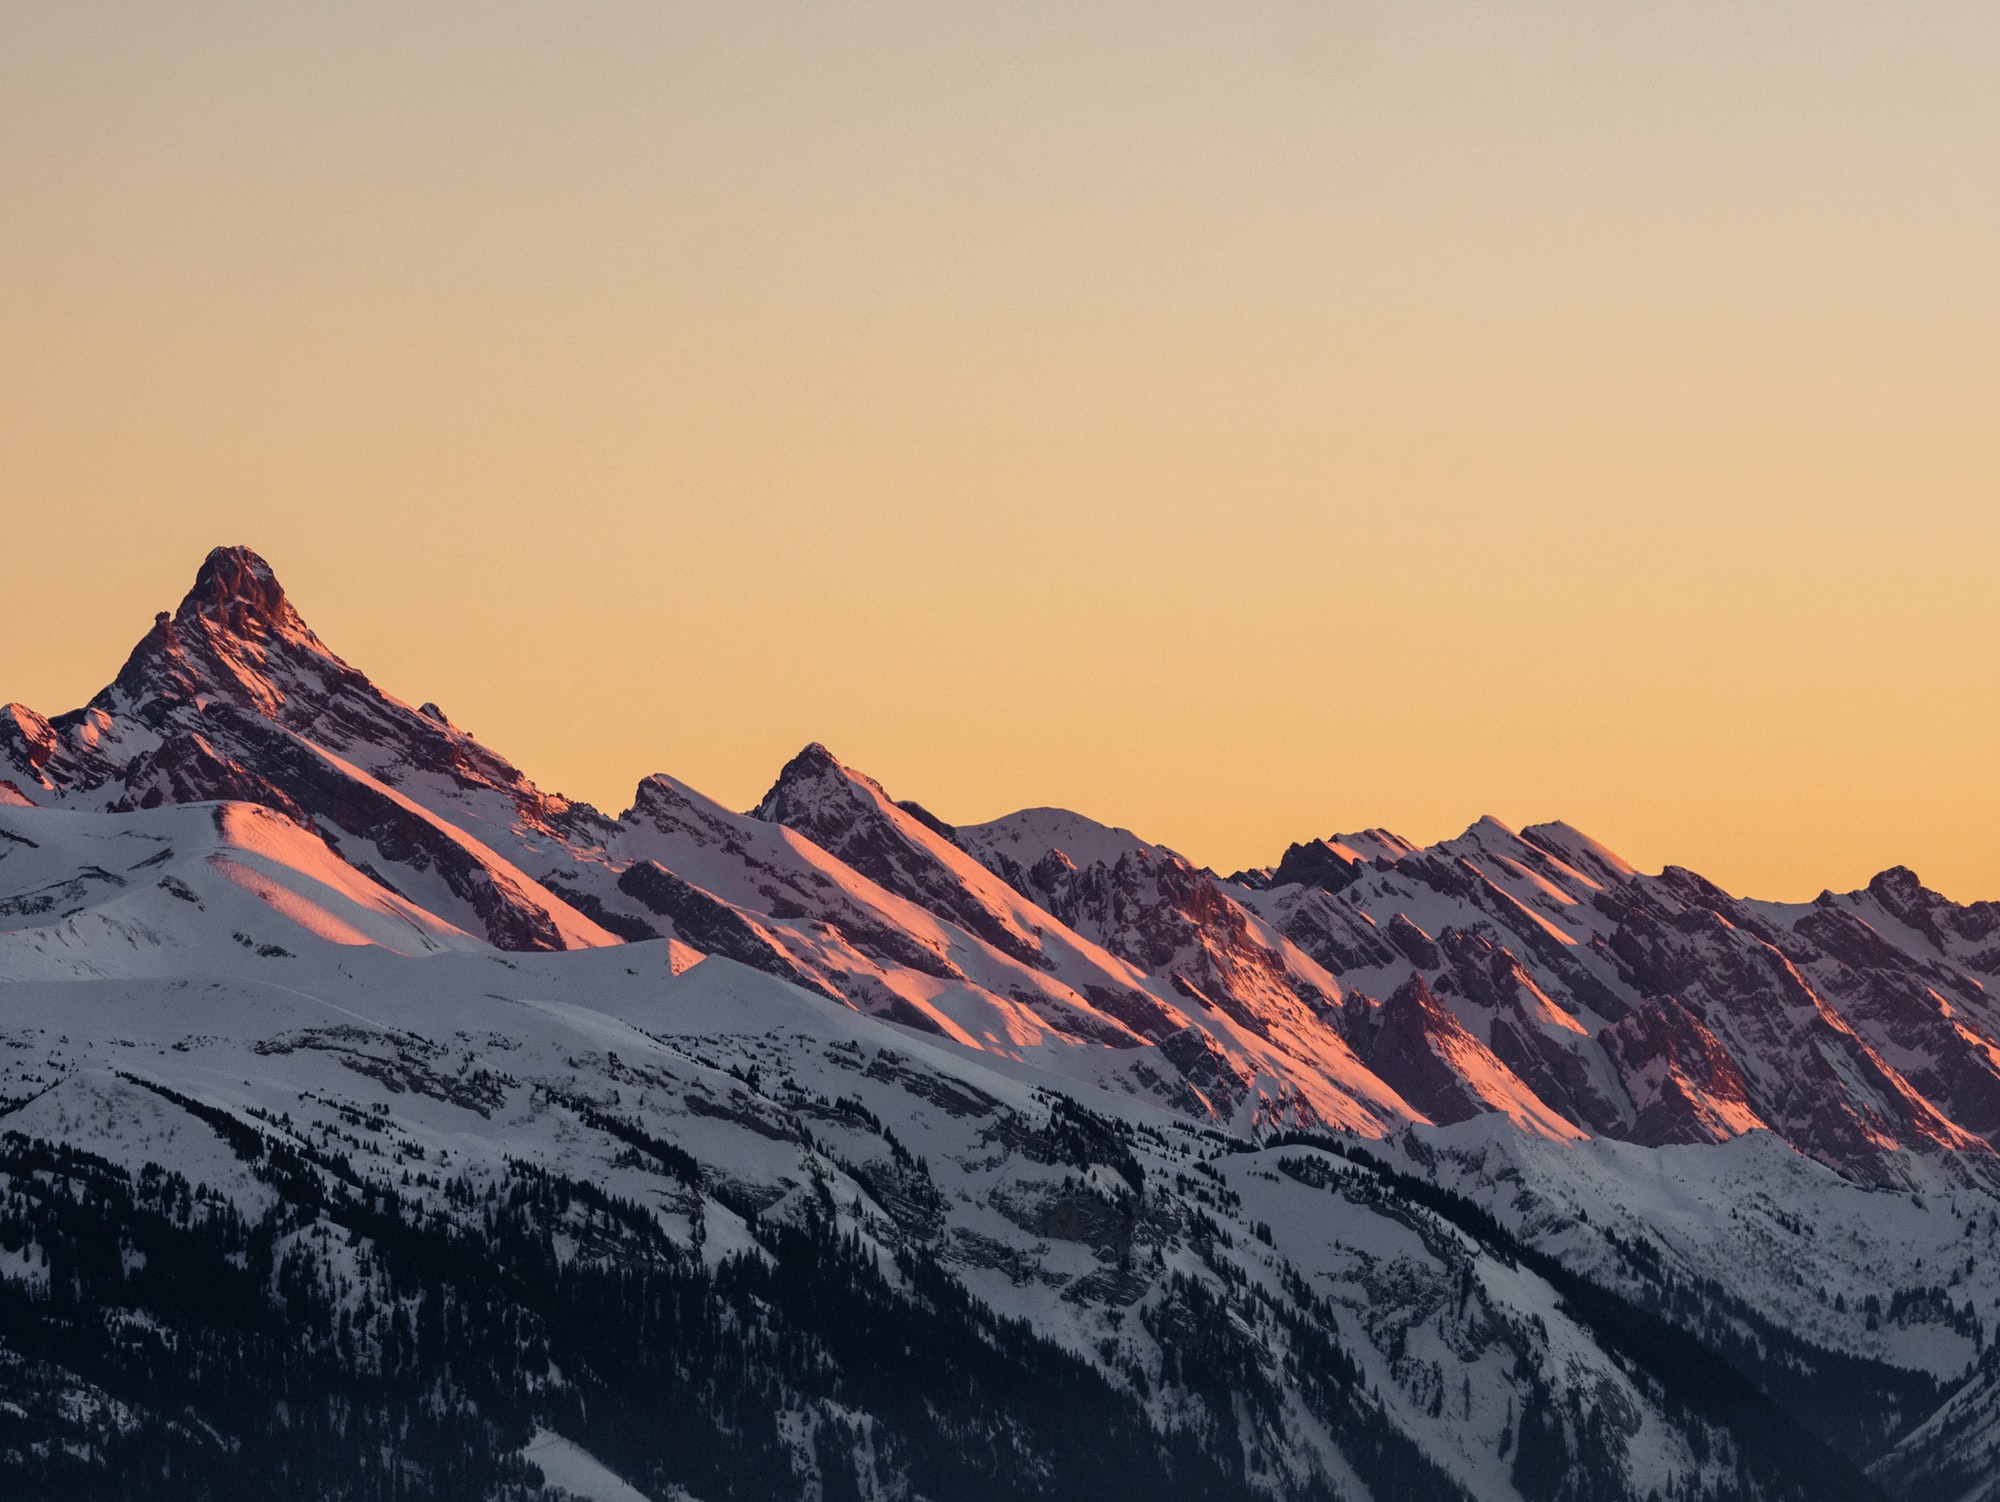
x=928, y=819
x=1682, y=1079
x=1407, y=1041
x=711, y=925
x=1414, y=944
x=632, y=930
x=1556, y=1073
x=1198, y=1061
x=1316, y=864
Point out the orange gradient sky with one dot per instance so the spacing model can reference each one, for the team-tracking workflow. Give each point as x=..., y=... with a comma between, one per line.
x=1237, y=422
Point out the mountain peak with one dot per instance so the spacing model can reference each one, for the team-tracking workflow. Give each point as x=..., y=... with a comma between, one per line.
x=227, y=636
x=1317, y=864
x=235, y=589
x=813, y=758
x=806, y=781
x=1899, y=881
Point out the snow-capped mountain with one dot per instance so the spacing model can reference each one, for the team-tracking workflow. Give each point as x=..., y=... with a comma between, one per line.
x=232, y=696
x=1489, y=1169
x=1660, y=1009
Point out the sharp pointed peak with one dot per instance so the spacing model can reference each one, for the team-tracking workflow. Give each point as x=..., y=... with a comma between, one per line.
x=815, y=763
x=235, y=588
x=808, y=775
x=814, y=755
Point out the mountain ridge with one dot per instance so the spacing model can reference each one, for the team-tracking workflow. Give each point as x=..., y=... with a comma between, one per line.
x=369, y=1112
x=1534, y=972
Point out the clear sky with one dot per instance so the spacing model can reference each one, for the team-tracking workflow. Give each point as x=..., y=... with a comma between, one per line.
x=1240, y=422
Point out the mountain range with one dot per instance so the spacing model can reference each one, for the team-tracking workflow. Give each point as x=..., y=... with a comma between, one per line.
x=1489, y=1168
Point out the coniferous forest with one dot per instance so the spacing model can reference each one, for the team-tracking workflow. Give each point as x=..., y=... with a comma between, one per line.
x=350, y=1341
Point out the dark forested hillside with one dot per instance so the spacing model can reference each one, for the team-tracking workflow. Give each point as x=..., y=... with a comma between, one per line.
x=159, y=1343
x=350, y=1341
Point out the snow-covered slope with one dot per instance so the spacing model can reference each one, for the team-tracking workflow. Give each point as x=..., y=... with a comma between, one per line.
x=1300, y=1323
x=1647, y=1159
x=829, y=885
x=196, y=889
x=1555, y=985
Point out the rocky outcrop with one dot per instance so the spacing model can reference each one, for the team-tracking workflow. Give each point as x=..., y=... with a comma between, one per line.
x=850, y=816
x=1408, y=1040
x=1421, y=1050
x=1681, y=1078
x=1317, y=864
x=710, y=925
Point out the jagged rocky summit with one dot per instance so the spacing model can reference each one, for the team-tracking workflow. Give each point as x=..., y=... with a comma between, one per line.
x=1362, y=983
x=1385, y=1171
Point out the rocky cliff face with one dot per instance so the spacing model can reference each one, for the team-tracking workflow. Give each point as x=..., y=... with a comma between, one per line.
x=1661, y=1009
